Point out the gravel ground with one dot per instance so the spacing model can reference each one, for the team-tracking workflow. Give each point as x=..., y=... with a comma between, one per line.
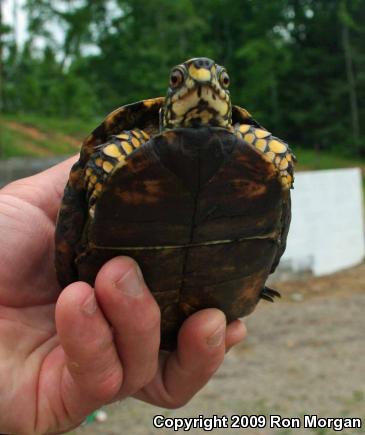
x=304, y=355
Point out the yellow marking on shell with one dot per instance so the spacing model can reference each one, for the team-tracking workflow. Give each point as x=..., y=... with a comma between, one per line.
x=277, y=161
x=150, y=102
x=121, y=159
x=123, y=136
x=269, y=156
x=107, y=166
x=99, y=162
x=288, y=157
x=90, y=186
x=110, y=119
x=244, y=128
x=246, y=113
x=283, y=164
x=135, y=142
x=277, y=147
x=111, y=150
x=127, y=147
x=261, y=144
x=88, y=172
x=200, y=74
x=261, y=133
x=98, y=187
x=249, y=138
x=93, y=179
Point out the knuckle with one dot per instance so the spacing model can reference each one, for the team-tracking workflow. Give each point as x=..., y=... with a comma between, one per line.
x=108, y=388
x=150, y=373
x=134, y=382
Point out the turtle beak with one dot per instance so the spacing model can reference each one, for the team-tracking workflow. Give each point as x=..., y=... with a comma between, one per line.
x=200, y=70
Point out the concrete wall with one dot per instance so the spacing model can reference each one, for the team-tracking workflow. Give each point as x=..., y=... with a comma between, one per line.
x=327, y=231
x=19, y=167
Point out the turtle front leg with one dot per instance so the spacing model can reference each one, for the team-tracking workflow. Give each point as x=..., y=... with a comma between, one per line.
x=106, y=158
x=274, y=150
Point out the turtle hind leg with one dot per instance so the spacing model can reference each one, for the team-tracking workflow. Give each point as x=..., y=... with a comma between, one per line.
x=269, y=294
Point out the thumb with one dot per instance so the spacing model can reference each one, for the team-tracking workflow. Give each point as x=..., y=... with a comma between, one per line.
x=93, y=373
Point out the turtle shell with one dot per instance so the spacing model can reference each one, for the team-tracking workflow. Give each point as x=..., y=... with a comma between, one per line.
x=200, y=210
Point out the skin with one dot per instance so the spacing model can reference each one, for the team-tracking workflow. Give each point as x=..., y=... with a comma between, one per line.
x=65, y=354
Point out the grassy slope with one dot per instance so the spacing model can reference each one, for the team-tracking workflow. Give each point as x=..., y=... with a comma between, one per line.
x=310, y=159
x=35, y=136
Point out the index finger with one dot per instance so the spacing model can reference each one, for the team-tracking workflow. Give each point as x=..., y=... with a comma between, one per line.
x=43, y=190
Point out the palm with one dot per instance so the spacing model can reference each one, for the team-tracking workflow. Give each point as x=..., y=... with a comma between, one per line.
x=28, y=295
x=58, y=363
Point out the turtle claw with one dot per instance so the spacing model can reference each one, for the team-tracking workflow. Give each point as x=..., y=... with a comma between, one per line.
x=269, y=294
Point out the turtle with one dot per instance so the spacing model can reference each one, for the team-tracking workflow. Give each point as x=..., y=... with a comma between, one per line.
x=190, y=186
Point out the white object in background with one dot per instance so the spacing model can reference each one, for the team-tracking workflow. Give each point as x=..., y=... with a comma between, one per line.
x=327, y=229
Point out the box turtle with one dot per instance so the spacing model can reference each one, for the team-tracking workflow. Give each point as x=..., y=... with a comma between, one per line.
x=192, y=188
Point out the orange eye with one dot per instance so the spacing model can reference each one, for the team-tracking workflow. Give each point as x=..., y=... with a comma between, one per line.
x=224, y=79
x=176, y=78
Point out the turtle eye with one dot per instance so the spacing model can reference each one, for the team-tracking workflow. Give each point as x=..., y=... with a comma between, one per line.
x=224, y=79
x=176, y=78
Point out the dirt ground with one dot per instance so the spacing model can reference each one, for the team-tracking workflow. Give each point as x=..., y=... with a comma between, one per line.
x=304, y=355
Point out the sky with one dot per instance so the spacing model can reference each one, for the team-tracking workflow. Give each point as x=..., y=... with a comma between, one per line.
x=12, y=11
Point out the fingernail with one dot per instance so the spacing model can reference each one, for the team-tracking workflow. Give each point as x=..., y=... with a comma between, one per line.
x=89, y=306
x=216, y=338
x=131, y=283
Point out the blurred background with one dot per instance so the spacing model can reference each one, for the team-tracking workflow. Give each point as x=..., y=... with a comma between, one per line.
x=299, y=67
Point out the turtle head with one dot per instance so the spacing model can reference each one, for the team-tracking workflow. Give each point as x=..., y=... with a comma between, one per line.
x=197, y=95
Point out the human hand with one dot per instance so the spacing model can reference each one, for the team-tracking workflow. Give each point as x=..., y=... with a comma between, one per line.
x=64, y=355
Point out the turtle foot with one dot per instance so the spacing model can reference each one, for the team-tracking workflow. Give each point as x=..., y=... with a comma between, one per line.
x=269, y=294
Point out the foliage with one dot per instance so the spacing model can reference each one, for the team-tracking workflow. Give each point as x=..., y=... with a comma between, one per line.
x=296, y=65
